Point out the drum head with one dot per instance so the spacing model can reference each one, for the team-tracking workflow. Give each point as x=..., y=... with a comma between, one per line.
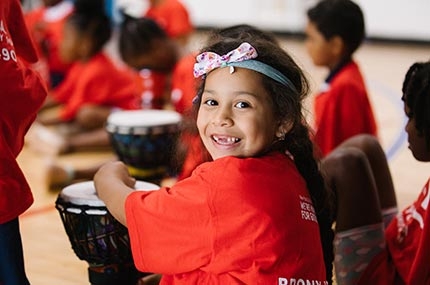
x=141, y=121
x=84, y=193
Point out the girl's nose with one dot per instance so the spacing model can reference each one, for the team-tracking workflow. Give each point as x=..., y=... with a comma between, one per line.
x=222, y=117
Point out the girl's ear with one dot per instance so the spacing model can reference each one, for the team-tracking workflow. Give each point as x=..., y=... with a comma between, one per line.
x=337, y=45
x=283, y=129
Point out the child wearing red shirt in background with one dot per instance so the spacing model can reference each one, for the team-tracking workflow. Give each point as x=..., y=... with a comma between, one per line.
x=342, y=108
x=93, y=88
x=173, y=17
x=22, y=94
x=143, y=43
x=46, y=28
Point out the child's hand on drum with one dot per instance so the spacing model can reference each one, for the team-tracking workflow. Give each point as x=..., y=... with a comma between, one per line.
x=113, y=184
x=115, y=170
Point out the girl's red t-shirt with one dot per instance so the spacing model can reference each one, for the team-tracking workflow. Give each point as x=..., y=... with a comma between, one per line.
x=233, y=221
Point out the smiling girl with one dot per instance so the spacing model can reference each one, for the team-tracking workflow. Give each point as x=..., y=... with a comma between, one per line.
x=255, y=213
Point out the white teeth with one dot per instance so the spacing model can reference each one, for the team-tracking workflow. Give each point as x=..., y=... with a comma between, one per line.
x=225, y=140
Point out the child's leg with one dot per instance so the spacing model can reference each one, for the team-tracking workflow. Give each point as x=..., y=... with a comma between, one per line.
x=381, y=172
x=358, y=171
x=11, y=255
x=348, y=173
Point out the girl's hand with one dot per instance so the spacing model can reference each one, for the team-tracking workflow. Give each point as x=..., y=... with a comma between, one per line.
x=114, y=170
x=113, y=184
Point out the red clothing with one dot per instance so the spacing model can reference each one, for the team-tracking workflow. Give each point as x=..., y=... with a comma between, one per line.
x=406, y=260
x=343, y=110
x=184, y=84
x=153, y=85
x=98, y=82
x=46, y=28
x=196, y=154
x=184, y=89
x=22, y=94
x=234, y=221
x=172, y=16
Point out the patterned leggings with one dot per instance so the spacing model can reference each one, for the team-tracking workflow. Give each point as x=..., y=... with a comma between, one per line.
x=355, y=248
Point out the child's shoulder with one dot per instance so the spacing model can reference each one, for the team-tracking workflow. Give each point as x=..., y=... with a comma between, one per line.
x=232, y=164
x=349, y=75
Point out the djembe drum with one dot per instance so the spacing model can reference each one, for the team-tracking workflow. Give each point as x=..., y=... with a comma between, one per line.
x=96, y=236
x=145, y=140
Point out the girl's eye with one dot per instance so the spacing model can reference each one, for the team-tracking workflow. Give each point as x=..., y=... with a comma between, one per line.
x=211, y=102
x=242, y=105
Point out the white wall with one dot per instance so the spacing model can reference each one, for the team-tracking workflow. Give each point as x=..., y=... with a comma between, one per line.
x=389, y=19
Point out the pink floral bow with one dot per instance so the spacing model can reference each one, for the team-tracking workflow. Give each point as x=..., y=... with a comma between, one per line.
x=208, y=61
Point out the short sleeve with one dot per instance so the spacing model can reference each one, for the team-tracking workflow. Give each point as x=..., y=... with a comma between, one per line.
x=170, y=228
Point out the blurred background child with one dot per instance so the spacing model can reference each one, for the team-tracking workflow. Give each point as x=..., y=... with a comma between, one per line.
x=144, y=44
x=93, y=88
x=335, y=30
x=173, y=18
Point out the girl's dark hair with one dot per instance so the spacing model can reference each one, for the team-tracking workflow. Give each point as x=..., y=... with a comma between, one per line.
x=90, y=19
x=342, y=18
x=288, y=106
x=242, y=32
x=416, y=95
x=137, y=36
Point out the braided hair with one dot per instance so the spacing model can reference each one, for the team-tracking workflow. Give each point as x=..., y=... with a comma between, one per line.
x=288, y=106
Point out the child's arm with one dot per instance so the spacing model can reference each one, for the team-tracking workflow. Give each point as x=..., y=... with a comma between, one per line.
x=113, y=184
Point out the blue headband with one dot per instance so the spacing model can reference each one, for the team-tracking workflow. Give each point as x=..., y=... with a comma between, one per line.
x=264, y=69
x=243, y=57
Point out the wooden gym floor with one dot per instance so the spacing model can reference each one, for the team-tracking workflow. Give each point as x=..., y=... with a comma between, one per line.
x=48, y=255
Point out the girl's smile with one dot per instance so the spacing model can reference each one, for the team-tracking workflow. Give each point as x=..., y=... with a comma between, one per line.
x=235, y=116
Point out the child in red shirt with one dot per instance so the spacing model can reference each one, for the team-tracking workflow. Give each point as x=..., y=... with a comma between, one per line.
x=374, y=244
x=173, y=18
x=342, y=108
x=94, y=86
x=148, y=46
x=253, y=215
x=22, y=94
x=144, y=46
